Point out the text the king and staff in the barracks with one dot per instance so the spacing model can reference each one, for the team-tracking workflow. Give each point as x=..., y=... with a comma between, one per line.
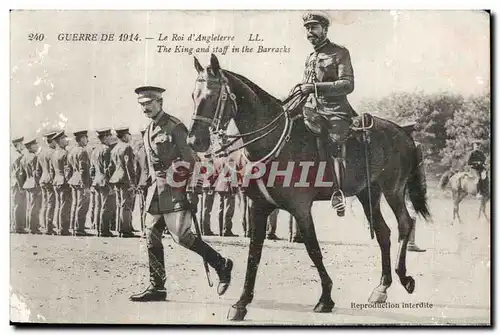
x=165, y=43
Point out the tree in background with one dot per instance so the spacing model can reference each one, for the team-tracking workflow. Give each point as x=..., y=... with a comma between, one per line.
x=472, y=121
x=446, y=122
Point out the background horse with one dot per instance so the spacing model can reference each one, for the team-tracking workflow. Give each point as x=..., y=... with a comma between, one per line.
x=220, y=95
x=463, y=183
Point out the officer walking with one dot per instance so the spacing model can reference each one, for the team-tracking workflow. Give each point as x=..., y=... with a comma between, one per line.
x=166, y=204
x=18, y=195
x=328, y=79
x=62, y=173
x=47, y=189
x=31, y=185
x=79, y=162
x=123, y=181
x=100, y=165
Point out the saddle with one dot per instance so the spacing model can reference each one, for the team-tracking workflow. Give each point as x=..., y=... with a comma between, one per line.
x=360, y=124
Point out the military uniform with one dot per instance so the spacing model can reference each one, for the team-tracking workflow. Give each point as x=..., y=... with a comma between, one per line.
x=208, y=203
x=123, y=181
x=79, y=162
x=272, y=223
x=166, y=204
x=61, y=187
x=93, y=193
x=18, y=195
x=476, y=159
x=142, y=174
x=329, y=69
x=100, y=165
x=32, y=187
x=47, y=189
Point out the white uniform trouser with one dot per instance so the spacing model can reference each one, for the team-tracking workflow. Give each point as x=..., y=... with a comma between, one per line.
x=178, y=224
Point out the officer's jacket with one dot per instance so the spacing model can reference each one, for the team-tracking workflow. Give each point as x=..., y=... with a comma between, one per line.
x=31, y=170
x=61, y=168
x=165, y=142
x=330, y=68
x=17, y=174
x=45, y=165
x=141, y=167
x=79, y=162
x=100, y=164
x=122, y=162
x=476, y=157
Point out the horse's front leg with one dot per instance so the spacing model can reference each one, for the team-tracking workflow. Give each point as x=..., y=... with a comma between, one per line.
x=306, y=225
x=258, y=221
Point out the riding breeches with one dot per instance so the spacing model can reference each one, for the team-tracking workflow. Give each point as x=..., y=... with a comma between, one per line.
x=178, y=224
x=337, y=126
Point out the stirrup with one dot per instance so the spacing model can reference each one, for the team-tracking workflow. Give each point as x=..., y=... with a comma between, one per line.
x=340, y=206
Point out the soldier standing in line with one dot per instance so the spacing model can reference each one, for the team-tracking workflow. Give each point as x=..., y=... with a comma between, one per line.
x=142, y=182
x=123, y=181
x=272, y=222
x=18, y=195
x=112, y=194
x=32, y=186
x=297, y=236
x=167, y=205
x=93, y=200
x=100, y=162
x=79, y=161
x=48, y=195
x=227, y=200
x=61, y=187
x=208, y=203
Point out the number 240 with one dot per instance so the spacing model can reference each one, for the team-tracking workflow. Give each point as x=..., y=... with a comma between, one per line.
x=36, y=37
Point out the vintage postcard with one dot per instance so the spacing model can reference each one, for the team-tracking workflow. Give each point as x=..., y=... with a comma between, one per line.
x=258, y=167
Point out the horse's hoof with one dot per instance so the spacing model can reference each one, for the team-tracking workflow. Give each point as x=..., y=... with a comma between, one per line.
x=377, y=296
x=324, y=307
x=236, y=313
x=409, y=284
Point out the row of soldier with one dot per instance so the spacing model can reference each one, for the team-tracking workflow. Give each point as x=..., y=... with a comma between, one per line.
x=57, y=188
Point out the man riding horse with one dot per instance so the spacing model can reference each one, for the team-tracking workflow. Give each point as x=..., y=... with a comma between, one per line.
x=328, y=79
x=475, y=160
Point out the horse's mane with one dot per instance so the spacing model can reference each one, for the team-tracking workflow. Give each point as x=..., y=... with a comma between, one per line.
x=266, y=97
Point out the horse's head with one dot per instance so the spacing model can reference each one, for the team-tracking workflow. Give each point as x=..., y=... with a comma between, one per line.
x=214, y=104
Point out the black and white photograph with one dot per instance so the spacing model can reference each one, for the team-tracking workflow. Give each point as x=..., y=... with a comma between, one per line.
x=250, y=167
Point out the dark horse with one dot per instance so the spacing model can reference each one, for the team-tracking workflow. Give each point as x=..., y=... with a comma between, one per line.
x=393, y=164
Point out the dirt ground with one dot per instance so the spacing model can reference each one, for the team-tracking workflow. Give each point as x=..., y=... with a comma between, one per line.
x=89, y=279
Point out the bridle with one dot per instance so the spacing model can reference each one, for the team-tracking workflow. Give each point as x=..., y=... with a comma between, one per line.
x=217, y=132
x=215, y=122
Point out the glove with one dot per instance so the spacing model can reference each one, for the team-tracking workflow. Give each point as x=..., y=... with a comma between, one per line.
x=306, y=88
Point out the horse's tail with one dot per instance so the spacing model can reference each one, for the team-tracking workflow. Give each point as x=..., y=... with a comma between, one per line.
x=445, y=179
x=417, y=191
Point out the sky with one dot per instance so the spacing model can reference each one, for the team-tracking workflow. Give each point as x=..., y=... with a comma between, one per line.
x=90, y=85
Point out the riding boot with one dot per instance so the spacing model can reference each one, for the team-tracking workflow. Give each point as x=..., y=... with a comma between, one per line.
x=156, y=290
x=221, y=265
x=411, y=240
x=338, y=198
